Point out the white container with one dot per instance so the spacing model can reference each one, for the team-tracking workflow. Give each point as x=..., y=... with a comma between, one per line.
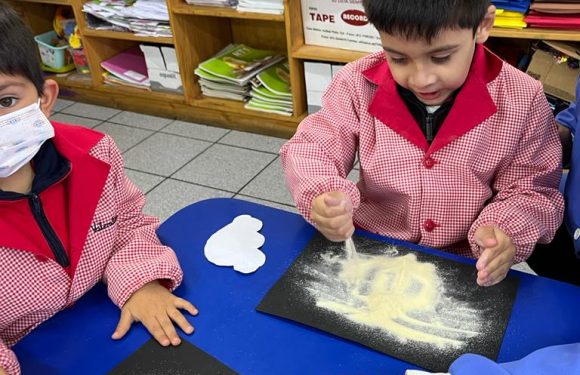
x=339, y=24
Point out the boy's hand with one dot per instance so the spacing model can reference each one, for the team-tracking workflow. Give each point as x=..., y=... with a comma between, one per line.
x=497, y=256
x=157, y=308
x=2, y=372
x=332, y=215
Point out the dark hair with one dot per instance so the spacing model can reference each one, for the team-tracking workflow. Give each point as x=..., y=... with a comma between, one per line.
x=424, y=19
x=18, y=50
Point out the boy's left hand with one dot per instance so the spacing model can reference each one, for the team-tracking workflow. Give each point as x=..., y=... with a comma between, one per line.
x=497, y=256
x=157, y=308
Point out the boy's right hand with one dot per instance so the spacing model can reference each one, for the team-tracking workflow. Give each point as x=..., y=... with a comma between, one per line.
x=332, y=215
x=2, y=372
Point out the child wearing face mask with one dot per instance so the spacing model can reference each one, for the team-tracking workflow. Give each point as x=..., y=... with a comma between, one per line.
x=69, y=216
x=457, y=149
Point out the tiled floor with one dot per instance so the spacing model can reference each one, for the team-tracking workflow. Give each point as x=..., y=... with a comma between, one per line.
x=177, y=163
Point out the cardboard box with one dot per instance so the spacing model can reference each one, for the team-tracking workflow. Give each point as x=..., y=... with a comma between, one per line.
x=558, y=79
x=317, y=77
x=339, y=24
x=162, y=68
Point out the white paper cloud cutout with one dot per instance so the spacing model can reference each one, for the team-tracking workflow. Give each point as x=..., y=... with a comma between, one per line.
x=237, y=244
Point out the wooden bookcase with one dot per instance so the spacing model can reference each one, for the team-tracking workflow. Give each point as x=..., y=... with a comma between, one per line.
x=198, y=33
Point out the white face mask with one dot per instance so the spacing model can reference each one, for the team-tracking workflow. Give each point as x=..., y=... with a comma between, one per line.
x=21, y=134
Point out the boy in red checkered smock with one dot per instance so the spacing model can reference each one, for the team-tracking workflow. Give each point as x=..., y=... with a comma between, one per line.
x=458, y=150
x=69, y=216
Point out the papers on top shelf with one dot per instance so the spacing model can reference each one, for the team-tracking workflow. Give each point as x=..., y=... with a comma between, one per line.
x=261, y=6
x=214, y=3
x=143, y=17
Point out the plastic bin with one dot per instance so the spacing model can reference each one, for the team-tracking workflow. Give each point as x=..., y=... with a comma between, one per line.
x=56, y=58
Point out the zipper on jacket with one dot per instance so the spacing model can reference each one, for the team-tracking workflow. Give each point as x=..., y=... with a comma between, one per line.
x=429, y=127
x=47, y=230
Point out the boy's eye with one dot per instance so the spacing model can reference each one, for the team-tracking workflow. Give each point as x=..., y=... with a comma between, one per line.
x=440, y=59
x=7, y=102
x=398, y=60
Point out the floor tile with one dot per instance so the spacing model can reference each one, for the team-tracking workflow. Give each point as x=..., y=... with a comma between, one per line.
x=75, y=120
x=163, y=154
x=225, y=167
x=171, y=195
x=144, y=181
x=61, y=104
x=253, y=141
x=193, y=130
x=140, y=121
x=125, y=136
x=91, y=111
x=267, y=203
x=270, y=185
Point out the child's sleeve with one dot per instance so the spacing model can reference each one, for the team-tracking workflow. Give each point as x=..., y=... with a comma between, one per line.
x=320, y=155
x=570, y=116
x=528, y=205
x=138, y=256
x=8, y=361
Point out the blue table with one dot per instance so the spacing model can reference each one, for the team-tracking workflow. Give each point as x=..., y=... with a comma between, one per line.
x=77, y=341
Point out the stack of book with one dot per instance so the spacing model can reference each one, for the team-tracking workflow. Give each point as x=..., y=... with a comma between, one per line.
x=554, y=14
x=228, y=74
x=271, y=91
x=127, y=68
x=510, y=13
x=261, y=6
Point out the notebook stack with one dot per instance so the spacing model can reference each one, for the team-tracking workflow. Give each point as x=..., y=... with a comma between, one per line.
x=261, y=6
x=127, y=68
x=228, y=75
x=561, y=14
x=271, y=90
x=511, y=13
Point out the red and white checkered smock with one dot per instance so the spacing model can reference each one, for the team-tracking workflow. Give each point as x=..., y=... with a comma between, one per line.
x=495, y=159
x=109, y=239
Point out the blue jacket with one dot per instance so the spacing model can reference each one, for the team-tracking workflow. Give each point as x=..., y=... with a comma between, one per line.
x=570, y=118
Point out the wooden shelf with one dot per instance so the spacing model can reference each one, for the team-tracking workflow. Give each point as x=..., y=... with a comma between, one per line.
x=141, y=93
x=238, y=107
x=531, y=33
x=224, y=12
x=126, y=36
x=74, y=80
x=56, y=2
x=308, y=52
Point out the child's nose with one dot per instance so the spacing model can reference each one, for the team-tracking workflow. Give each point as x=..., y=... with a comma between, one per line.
x=422, y=79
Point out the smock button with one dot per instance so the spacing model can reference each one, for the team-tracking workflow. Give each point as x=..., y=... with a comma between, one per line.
x=428, y=162
x=429, y=225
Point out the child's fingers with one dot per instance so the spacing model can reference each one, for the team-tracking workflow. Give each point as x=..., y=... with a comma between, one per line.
x=184, y=304
x=485, y=237
x=154, y=328
x=169, y=329
x=496, y=276
x=180, y=320
x=124, y=324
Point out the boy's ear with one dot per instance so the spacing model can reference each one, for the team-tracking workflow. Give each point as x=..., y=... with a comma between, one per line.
x=49, y=95
x=485, y=26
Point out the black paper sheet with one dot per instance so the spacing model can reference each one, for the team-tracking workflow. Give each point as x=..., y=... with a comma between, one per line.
x=482, y=312
x=185, y=359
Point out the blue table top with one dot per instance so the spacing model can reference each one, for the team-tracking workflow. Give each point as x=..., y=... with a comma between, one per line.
x=229, y=328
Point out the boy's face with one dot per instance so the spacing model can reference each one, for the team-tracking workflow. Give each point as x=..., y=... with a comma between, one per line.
x=432, y=71
x=17, y=92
